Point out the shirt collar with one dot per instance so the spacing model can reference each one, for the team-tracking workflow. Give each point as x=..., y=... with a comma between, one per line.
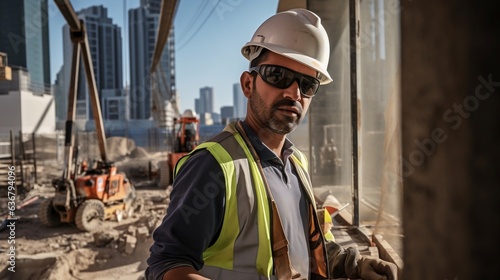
x=262, y=150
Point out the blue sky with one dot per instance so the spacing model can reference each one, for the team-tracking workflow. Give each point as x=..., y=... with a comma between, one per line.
x=209, y=36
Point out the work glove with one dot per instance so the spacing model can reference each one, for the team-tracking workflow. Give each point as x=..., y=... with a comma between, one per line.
x=347, y=262
x=370, y=268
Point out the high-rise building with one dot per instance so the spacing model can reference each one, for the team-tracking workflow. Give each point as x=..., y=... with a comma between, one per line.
x=226, y=114
x=239, y=102
x=24, y=36
x=154, y=6
x=105, y=43
x=197, y=105
x=206, y=100
x=61, y=97
x=143, y=24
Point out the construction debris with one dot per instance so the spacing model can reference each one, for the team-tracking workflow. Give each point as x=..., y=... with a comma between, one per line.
x=117, y=250
x=130, y=242
x=64, y=252
x=103, y=238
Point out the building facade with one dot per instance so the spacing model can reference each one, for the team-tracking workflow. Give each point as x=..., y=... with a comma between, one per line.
x=24, y=36
x=105, y=43
x=206, y=100
x=239, y=102
x=226, y=114
x=143, y=25
x=197, y=105
x=61, y=98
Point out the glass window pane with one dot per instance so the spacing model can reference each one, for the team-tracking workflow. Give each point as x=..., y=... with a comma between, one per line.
x=379, y=133
x=330, y=115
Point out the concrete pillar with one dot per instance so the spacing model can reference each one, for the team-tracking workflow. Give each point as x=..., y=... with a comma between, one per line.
x=451, y=139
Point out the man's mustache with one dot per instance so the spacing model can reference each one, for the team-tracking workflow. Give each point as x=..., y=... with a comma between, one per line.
x=288, y=102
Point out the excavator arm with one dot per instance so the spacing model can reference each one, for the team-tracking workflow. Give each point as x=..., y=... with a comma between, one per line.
x=81, y=50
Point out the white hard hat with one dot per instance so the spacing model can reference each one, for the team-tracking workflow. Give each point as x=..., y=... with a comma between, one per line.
x=296, y=34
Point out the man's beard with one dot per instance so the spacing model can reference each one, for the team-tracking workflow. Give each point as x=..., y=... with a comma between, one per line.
x=268, y=116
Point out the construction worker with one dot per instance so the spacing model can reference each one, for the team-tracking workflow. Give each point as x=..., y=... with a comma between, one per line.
x=242, y=205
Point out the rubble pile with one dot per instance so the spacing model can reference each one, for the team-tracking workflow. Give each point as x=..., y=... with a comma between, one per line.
x=50, y=265
x=119, y=147
x=139, y=152
x=126, y=241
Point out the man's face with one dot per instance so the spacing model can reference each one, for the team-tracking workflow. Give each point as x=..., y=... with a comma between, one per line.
x=280, y=110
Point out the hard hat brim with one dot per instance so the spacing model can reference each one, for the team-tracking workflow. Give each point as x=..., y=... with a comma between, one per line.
x=324, y=76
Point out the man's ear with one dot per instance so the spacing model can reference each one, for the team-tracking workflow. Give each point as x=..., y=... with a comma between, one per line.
x=246, y=82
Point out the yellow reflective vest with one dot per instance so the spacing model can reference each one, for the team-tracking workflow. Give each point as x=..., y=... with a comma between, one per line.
x=243, y=248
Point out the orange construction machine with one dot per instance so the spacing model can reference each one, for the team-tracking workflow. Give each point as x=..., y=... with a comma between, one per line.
x=86, y=196
x=186, y=133
x=186, y=138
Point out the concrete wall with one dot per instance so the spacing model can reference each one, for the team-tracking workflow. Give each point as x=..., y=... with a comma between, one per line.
x=38, y=113
x=451, y=139
x=10, y=114
x=21, y=110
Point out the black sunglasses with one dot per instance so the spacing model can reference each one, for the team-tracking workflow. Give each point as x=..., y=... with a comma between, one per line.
x=282, y=78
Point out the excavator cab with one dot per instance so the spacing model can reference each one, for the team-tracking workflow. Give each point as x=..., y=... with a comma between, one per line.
x=186, y=138
x=186, y=134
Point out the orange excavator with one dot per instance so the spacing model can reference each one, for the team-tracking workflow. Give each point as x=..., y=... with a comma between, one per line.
x=86, y=196
x=186, y=138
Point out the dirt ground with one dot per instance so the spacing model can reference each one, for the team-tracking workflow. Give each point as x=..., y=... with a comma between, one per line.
x=117, y=250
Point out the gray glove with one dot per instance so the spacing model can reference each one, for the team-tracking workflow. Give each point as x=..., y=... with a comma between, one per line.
x=349, y=263
x=376, y=269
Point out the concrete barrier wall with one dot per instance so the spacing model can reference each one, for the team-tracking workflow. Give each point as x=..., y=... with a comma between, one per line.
x=451, y=135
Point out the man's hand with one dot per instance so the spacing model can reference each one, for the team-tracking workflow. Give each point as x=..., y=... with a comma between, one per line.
x=376, y=269
x=348, y=262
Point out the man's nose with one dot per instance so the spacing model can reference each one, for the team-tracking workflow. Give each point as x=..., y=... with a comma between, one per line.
x=293, y=91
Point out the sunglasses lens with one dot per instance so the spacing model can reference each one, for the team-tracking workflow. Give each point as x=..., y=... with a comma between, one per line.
x=279, y=77
x=308, y=86
x=283, y=78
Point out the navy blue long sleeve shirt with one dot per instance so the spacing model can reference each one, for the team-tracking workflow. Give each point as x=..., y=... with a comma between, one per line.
x=196, y=211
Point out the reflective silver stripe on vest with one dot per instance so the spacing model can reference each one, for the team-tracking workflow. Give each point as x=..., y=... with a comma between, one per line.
x=247, y=241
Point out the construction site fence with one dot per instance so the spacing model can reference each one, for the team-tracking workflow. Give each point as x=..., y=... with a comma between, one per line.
x=51, y=146
x=17, y=161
